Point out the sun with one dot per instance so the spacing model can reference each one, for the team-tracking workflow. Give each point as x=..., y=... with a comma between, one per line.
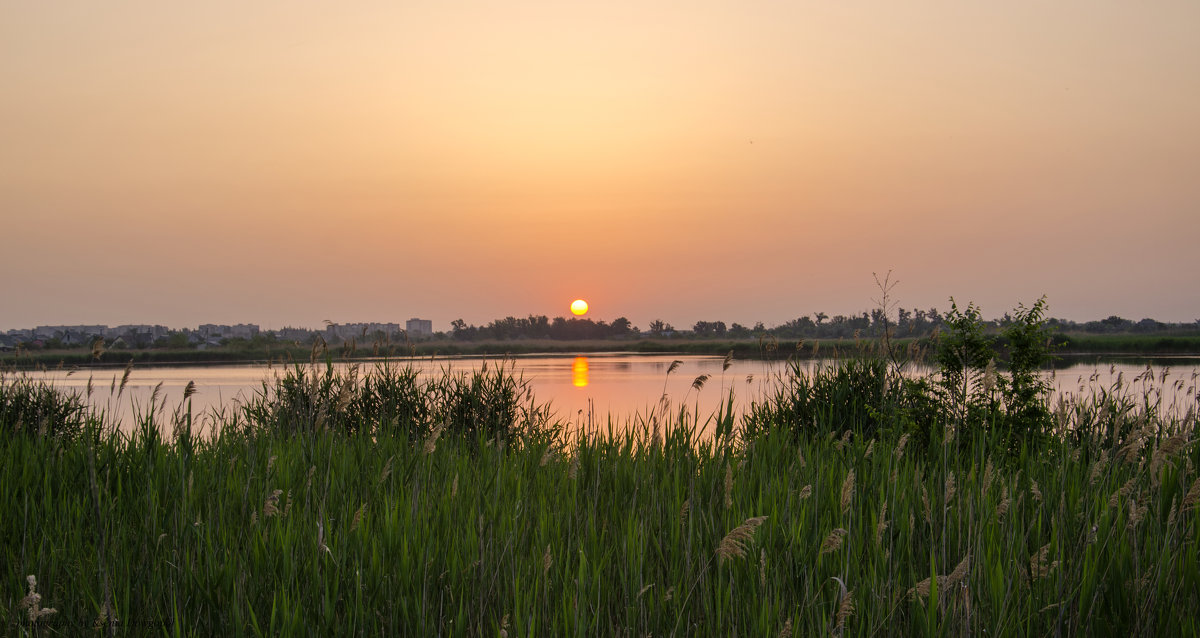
x=579, y=307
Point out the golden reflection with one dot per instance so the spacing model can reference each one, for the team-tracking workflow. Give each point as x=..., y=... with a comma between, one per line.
x=579, y=372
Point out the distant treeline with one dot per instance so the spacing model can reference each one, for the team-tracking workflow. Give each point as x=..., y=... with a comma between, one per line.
x=904, y=323
x=1107, y=335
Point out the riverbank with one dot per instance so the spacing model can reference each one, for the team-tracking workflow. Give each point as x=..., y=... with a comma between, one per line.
x=1074, y=345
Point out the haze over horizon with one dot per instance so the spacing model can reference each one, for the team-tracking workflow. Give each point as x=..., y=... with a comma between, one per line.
x=284, y=164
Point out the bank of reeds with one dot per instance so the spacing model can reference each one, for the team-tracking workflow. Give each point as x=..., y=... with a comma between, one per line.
x=374, y=502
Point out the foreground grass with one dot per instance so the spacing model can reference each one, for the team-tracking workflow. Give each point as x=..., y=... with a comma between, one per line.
x=601, y=535
x=852, y=500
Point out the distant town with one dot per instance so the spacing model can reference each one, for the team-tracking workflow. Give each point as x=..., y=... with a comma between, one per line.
x=205, y=335
x=903, y=323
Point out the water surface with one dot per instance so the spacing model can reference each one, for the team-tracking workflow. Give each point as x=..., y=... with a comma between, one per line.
x=586, y=389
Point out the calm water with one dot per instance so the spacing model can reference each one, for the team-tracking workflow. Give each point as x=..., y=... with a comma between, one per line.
x=585, y=389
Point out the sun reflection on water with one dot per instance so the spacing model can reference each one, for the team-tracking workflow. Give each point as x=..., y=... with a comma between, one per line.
x=579, y=372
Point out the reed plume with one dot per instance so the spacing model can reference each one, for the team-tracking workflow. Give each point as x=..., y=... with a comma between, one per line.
x=735, y=542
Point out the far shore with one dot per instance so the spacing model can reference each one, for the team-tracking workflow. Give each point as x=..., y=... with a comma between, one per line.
x=1070, y=346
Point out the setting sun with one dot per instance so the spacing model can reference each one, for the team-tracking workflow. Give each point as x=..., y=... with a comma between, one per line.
x=579, y=307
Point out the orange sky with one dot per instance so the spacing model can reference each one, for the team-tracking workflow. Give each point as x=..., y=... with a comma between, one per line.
x=286, y=163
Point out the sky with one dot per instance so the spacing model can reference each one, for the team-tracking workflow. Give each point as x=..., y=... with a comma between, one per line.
x=287, y=163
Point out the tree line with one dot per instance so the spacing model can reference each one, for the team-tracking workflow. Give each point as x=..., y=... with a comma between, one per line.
x=902, y=323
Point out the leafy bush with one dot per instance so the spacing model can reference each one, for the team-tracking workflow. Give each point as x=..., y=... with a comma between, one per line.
x=973, y=389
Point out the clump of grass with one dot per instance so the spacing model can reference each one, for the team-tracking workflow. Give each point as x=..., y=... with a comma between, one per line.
x=491, y=403
x=35, y=407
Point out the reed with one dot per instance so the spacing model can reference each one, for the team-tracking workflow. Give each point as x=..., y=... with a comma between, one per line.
x=376, y=501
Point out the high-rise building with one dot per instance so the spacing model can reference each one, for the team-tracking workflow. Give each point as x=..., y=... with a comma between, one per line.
x=419, y=327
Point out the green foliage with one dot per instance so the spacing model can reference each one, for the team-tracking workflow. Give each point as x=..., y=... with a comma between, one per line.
x=489, y=403
x=35, y=407
x=1011, y=401
x=848, y=395
x=1025, y=391
x=964, y=350
x=324, y=531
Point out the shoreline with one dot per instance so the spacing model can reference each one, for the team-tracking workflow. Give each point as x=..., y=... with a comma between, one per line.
x=1106, y=348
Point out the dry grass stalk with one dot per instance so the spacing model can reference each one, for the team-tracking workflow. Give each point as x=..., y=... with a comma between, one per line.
x=271, y=505
x=1002, y=508
x=1173, y=444
x=1137, y=511
x=945, y=583
x=847, y=492
x=387, y=470
x=843, y=441
x=106, y=618
x=882, y=525
x=786, y=632
x=805, y=492
x=845, y=606
x=454, y=487
x=1129, y=452
x=32, y=602
x=734, y=543
x=728, y=486
x=1193, y=496
x=547, y=456
x=1122, y=493
x=870, y=448
x=358, y=517
x=1040, y=564
x=683, y=511
x=950, y=487
x=1033, y=489
x=833, y=541
x=960, y=572
x=431, y=441
x=321, y=546
x=547, y=561
x=925, y=505
x=900, y=445
x=1098, y=467
x=125, y=378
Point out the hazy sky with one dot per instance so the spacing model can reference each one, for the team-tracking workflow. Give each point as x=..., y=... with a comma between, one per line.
x=286, y=163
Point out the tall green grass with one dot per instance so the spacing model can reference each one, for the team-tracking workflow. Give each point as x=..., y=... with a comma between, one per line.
x=372, y=501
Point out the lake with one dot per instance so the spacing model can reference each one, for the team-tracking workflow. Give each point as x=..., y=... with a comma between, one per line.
x=584, y=389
